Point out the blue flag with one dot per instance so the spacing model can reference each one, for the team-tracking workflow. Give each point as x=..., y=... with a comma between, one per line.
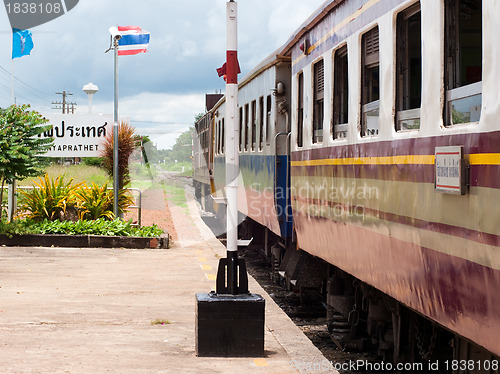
x=22, y=43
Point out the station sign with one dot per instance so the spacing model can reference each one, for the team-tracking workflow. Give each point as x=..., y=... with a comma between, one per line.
x=78, y=135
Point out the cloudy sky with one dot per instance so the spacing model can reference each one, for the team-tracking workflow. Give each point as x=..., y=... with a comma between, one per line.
x=162, y=90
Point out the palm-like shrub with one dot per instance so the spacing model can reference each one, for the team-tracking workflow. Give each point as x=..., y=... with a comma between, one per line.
x=94, y=202
x=97, y=202
x=50, y=198
x=127, y=143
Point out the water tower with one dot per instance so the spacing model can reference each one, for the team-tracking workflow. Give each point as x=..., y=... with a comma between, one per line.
x=90, y=89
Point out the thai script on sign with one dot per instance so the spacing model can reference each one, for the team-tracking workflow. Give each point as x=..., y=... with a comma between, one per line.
x=72, y=131
x=448, y=169
x=77, y=135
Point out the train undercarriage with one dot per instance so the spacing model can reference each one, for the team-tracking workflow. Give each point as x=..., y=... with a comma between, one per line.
x=361, y=318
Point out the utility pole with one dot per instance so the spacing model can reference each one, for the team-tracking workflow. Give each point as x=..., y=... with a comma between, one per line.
x=65, y=106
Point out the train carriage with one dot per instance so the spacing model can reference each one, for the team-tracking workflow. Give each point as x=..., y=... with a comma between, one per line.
x=263, y=124
x=396, y=153
x=375, y=128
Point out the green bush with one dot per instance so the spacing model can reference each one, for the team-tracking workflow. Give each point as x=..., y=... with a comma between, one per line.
x=21, y=144
x=92, y=161
x=52, y=198
x=99, y=226
x=96, y=227
x=15, y=227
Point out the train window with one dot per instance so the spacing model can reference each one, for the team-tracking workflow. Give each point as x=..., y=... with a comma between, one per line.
x=223, y=137
x=219, y=137
x=246, y=127
x=215, y=138
x=409, y=68
x=463, y=59
x=300, y=112
x=370, y=83
x=269, y=120
x=319, y=95
x=241, y=128
x=254, y=124
x=340, y=93
x=261, y=122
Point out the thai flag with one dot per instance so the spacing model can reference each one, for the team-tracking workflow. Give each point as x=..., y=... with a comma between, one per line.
x=133, y=40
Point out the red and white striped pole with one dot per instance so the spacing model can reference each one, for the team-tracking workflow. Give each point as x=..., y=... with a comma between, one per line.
x=232, y=139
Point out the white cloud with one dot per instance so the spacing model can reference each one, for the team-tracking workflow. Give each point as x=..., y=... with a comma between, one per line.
x=190, y=49
x=162, y=117
x=165, y=86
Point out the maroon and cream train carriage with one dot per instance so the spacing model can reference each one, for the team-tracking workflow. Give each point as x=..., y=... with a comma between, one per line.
x=395, y=171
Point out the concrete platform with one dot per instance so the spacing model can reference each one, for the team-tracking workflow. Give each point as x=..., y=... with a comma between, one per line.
x=72, y=310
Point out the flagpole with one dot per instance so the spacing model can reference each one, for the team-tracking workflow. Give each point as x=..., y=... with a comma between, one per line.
x=116, y=38
x=12, y=82
x=11, y=189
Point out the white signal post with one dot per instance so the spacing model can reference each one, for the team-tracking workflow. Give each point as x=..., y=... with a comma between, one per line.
x=232, y=138
x=230, y=321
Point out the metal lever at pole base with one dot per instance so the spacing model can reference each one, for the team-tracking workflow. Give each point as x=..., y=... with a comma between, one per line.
x=232, y=278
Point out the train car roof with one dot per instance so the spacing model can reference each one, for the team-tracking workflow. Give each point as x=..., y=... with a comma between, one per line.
x=309, y=24
x=282, y=54
x=271, y=60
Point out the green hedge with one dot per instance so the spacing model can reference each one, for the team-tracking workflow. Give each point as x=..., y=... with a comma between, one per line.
x=87, y=227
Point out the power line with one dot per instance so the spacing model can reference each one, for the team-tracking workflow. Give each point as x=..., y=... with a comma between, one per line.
x=64, y=105
x=24, y=90
x=162, y=122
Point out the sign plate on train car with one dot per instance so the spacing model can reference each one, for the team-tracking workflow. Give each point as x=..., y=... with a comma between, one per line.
x=450, y=170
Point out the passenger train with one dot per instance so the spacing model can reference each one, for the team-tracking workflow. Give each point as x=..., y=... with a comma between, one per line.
x=370, y=160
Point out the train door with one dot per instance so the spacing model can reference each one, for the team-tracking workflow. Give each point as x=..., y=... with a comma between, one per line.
x=282, y=136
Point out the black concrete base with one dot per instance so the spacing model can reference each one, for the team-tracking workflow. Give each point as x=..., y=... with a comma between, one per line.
x=229, y=325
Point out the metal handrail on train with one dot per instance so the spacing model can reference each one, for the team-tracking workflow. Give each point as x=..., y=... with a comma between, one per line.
x=138, y=206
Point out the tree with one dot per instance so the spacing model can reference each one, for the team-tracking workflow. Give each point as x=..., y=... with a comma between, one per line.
x=21, y=144
x=182, y=149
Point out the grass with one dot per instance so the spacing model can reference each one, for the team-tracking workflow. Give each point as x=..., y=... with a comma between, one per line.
x=160, y=322
x=187, y=166
x=139, y=171
x=79, y=173
x=143, y=184
x=176, y=196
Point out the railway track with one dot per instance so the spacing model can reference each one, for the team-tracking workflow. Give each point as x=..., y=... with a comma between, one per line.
x=307, y=311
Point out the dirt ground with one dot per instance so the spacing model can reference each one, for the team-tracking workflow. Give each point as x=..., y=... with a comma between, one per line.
x=155, y=210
